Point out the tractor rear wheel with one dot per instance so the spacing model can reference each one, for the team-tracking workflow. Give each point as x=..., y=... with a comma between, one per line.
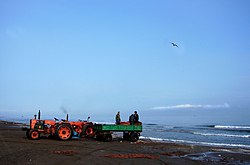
x=64, y=132
x=34, y=135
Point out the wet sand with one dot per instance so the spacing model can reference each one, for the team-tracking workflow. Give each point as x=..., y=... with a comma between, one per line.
x=17, y=149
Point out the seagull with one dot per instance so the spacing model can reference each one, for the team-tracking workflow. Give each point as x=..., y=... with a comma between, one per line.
x=174, y=44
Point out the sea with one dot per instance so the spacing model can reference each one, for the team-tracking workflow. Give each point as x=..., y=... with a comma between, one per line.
x=232, y=136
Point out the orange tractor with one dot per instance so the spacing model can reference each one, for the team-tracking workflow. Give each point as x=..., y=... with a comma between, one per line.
x=63, y=130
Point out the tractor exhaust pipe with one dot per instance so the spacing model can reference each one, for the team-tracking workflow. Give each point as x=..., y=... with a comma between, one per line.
x=67, y=117
x=39, y=115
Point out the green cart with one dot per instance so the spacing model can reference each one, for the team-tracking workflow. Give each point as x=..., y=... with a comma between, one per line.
x=130, y=132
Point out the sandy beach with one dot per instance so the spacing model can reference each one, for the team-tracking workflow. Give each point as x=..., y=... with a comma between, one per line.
x=17, y=149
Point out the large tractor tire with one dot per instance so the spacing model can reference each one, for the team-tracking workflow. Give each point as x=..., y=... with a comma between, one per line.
x=64, y=132
x=33, y=134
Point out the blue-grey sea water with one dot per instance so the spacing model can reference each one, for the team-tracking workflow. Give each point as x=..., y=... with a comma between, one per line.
x=212, y=135
x=228, y=127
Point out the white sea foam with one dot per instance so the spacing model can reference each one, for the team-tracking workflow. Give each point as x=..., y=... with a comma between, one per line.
x=151, y=138
x=232, y=127
x=195, y=142
x=226, y=135
x=168, y=127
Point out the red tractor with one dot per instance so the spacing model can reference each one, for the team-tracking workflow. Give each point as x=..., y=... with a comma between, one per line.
x=63, y=130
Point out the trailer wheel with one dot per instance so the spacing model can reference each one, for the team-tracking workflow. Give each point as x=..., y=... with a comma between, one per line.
x=34, y=135
x=134, y=137
x=125, y=136
x=64, y=132
x=108, y=138
x=99, y=137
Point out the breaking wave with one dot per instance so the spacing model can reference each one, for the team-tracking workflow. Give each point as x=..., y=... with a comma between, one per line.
x=226, y=135
x=232, y=127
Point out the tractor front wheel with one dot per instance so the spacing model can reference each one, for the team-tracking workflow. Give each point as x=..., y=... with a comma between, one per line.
x=64, y=132
x=34, y=135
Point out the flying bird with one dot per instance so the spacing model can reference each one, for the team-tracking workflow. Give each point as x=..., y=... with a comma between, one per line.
x=174, y=44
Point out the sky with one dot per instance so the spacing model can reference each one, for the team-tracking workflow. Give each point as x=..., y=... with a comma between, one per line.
x=97, y=57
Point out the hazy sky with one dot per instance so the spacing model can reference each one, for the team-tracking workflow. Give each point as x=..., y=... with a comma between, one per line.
x=102, y=56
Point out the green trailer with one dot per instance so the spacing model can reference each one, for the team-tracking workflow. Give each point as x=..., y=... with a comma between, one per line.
x=130, y=132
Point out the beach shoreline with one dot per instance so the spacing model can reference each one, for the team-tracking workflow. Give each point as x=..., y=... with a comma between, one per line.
x=17, y=149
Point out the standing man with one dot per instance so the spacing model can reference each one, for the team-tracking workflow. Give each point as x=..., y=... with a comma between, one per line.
x=131, y=119
x=117, y=118
x=136, y=117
